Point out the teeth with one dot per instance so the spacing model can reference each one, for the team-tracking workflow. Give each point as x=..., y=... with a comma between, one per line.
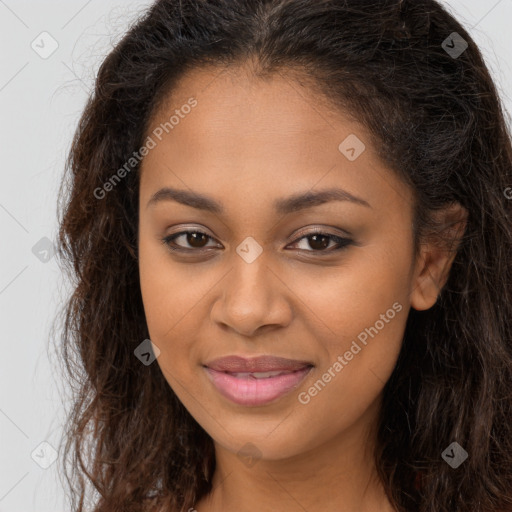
x=258, y=375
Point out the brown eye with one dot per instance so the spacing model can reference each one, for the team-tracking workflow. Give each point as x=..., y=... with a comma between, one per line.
x=195, y=240
x=319, y=242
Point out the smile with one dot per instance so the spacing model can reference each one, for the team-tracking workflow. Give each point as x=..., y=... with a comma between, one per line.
x=256, y=388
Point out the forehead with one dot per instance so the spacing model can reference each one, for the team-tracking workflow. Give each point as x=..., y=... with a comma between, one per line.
x=263, y=135
x=233, y=103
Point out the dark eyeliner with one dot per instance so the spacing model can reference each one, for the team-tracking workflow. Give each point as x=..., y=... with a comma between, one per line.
x=342, y=242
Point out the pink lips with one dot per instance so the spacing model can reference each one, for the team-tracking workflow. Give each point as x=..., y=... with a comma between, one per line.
x=244, y=382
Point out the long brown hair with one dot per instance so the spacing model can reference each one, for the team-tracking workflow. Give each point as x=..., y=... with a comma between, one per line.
x=436, y=119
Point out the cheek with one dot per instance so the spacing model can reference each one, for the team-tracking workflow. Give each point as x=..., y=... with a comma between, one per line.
x=166, y=294
x=158, y=302
x=343, y=301
x=168, y=289
x=365, y=308
x=175, y=299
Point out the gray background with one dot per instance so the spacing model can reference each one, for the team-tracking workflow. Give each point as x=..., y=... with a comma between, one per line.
x=40, y=102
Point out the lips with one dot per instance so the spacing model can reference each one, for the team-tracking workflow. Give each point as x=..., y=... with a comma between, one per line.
x=257, y=381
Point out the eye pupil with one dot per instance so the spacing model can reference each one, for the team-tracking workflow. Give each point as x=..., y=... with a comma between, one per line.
x=315, y=238
x=193, y=237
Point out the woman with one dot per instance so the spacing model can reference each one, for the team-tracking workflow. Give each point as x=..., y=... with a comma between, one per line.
x=290, y=233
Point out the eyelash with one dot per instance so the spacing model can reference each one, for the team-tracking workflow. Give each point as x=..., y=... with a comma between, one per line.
x=342, y=243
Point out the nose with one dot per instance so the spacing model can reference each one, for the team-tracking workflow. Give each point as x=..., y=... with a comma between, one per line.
x=253, y=299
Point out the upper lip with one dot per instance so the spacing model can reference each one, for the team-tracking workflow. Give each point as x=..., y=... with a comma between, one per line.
x=237, y=364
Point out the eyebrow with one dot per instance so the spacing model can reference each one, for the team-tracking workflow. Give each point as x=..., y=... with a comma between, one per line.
x=294, y=203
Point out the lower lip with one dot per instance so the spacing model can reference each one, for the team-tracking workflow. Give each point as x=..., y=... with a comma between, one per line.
x=252, y=392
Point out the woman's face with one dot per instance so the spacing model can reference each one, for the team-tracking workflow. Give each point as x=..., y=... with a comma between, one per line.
x=259, y=168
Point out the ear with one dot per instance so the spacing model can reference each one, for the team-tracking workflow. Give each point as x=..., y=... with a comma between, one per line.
x=436, y=256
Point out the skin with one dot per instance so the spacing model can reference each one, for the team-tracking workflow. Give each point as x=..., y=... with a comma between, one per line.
x=247, y=143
